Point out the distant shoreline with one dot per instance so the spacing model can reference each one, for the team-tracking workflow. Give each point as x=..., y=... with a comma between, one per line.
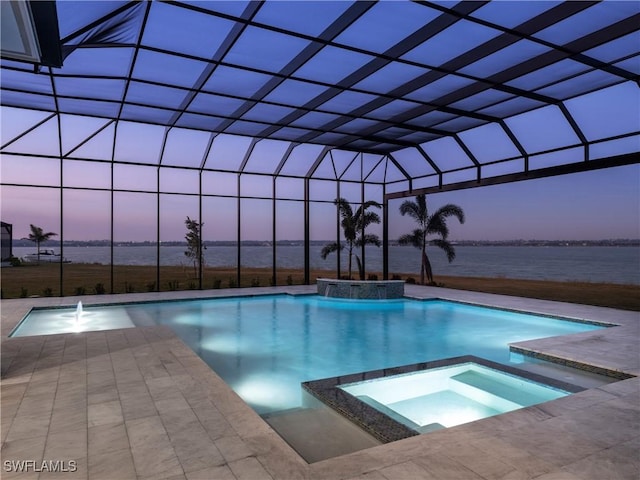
x=283, y=243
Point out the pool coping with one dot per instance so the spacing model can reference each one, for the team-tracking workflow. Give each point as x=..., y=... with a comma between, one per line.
x=598, y=422
x=384, y=427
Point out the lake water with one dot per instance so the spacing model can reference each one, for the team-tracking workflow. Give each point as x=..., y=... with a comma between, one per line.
x=577, y=263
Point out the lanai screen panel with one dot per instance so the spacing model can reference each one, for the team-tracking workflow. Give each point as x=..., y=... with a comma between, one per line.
x=443, y=92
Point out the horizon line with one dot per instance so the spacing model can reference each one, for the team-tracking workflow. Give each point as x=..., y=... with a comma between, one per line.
x=512, y=240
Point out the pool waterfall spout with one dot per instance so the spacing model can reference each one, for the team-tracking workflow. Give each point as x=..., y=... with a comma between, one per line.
x=327, y=292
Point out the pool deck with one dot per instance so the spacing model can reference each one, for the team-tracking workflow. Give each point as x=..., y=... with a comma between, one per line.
x=138, y=403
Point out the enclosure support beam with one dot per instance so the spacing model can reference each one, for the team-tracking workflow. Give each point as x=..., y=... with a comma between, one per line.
x=200, y=240
x=616, y=161
x=361, y=271
x=307, y=273
x=273, y=232
x=239, y=233
x=338, y=252
x=385, y=234
x=158, y=230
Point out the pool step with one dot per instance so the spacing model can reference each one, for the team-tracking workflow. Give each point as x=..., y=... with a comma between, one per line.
x=445, y=407
x=513, y=394
x=319, y=433
x=398, y=417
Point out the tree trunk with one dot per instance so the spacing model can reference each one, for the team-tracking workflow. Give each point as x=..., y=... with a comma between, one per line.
x=427, y=267
x=360, y=268
x=423, y=267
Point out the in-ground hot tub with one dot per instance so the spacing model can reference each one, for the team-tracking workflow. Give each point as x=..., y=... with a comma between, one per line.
x=361, y=289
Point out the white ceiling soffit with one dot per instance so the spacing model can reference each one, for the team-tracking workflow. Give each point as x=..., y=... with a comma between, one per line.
x=19, y=38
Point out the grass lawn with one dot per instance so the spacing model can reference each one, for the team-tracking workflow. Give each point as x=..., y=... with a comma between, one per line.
x=81, y=279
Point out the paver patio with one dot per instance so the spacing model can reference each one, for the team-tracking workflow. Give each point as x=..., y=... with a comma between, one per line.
x=138, y=403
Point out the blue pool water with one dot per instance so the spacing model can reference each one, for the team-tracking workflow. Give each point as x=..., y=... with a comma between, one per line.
x=265, y=346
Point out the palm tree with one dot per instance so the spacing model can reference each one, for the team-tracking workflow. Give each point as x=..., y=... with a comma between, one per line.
x=38, y=236
x=353, y=226
x=435, y=224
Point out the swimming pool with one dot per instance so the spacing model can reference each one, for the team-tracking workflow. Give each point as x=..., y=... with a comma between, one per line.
x=264, y=347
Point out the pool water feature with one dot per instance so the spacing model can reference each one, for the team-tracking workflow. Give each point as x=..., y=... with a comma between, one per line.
x=264, y=347
x=51, y=321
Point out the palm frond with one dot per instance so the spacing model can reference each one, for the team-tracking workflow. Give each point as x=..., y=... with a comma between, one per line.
x=450, y=210
x=371, y=203
x=350, y=230
x=446, y=247
x=414, y=238
x=344, y=207
x=410, y=208
x=416, y=209
x=369, y=218
x=369, y=239
x=437, y=225
x=330, y=248
x=361, y=211
x=421, y=201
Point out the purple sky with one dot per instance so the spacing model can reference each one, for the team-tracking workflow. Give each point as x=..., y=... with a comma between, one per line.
x=600, y=204
x=592, y=205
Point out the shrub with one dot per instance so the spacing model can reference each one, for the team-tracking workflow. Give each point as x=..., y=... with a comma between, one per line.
x=395, y=276
x=15, y=262
x=23, y=292
x=410, y=280
x=372, y=276
x=255, y=282
x=289, y=280
x=47, y=292
x=217, y=283
x=80, y=291
x=151, y=287
x=99, y=289
x=174, y=285
x=232, y=283
x=192, y=286
x=129, y=288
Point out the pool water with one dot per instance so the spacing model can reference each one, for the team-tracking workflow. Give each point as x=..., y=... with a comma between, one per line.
x=445, y=397
x=264, y=347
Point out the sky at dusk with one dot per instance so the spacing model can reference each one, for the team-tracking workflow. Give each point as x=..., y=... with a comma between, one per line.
x=588, y=206
x=600, y=204
x=592, y=111
x=593, y=205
